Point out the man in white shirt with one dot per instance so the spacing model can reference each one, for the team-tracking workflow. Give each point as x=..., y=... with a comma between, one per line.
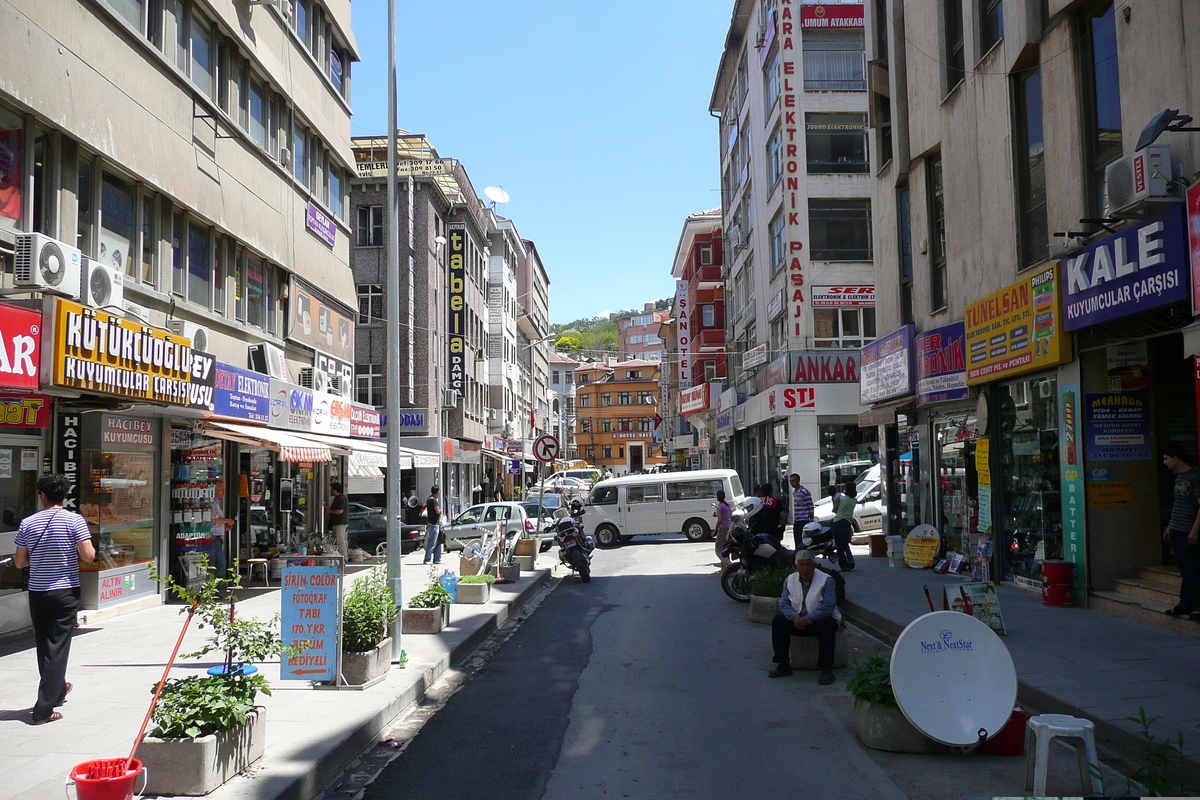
x=219, y=525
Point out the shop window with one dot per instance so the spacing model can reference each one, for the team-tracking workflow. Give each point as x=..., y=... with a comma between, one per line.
x=12, y=169
x=18, y=498
x=902, y=477
x=840, y=230
x=843, y=328
x=199, y=280
x=833, y=61
x=956, y=481
x=836, y=143
x=117, y=223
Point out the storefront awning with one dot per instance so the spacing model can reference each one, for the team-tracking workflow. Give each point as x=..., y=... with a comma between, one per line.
x=374, y=452
x=289, y=446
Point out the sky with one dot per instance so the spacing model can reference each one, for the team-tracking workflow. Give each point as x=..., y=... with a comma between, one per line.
x=592, y=116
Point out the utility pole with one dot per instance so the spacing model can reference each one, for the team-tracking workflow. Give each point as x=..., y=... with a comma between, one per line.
x=393, y=344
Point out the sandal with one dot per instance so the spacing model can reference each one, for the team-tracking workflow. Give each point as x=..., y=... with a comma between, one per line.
x=55, y=717
x=66, y=691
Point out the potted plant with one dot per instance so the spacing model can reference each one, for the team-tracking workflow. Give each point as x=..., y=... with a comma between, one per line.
x=766, y=587
x=367, y=614
x=208, y=727
x=879, y=722
x=428, y=611
x=475, y=589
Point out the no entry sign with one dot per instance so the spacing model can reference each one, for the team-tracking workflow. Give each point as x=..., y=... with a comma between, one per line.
x=545, y=449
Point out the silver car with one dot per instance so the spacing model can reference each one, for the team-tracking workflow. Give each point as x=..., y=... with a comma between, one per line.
x=483, y=518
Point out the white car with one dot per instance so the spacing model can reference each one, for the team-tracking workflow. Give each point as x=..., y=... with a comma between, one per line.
x=568, y=487
x=871, y=508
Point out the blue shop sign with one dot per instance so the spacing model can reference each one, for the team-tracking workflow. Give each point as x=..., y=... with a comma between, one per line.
x=942, y=364
x=242, y=394
x=885, y=367
x=1142, y=267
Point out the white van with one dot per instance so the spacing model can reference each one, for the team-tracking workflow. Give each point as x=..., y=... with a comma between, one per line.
x=647, y=505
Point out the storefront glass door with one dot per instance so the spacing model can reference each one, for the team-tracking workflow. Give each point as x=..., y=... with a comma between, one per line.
x=956, y=478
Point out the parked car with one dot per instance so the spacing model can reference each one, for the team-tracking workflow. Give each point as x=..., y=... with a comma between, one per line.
x=369, y=531
x=837, y=474
x=484, y=517
x=871, y=508
x=354, y=509
x=548, y=519
x=589, y=475
x=571, y=487
x=646, y=505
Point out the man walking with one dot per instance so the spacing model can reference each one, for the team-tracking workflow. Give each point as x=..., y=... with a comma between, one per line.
x=51, y=543
x=337, y=517
x=433, y=527
x=218, y=525
x=802, y=507
x=1182, y=531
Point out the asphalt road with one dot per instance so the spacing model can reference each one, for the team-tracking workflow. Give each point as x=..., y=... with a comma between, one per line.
x=649, y=683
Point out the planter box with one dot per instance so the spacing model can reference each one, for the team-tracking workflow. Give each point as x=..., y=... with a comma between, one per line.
x=886, y=728
x=802, y=653
x=425, y=620
x=474, y=593
x=197, y=766
x=526, y=563
x=511, y=573
x=528, y=547
x=360, y=668
x=763, y=609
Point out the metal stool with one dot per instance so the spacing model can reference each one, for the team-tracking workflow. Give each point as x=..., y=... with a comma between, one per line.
x=1038, y=733
x=251, y=563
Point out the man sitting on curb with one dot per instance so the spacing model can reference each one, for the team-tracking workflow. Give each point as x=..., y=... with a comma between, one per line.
x=808, y=607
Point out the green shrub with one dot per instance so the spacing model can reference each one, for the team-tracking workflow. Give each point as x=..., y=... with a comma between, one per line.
x=485, y=578
x=202, y=704
x=768, y=581
x=368, y=612
x=872, y=680
x=432, y=597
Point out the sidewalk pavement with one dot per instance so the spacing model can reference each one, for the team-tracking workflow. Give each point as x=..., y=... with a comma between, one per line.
x=311, y=733
x=1075, y=661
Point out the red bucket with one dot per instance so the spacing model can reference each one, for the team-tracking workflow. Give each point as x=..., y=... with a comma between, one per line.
x=1058, y=583
x=1010, y=741
x=106, y=779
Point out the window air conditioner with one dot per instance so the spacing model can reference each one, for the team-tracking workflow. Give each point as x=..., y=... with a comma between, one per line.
x=189, y=330
x=47, y=264
x=1134, y=185
x=339, y=385
x=315, y=379
x=267, y=359
x=449, y=398
x=102, y=286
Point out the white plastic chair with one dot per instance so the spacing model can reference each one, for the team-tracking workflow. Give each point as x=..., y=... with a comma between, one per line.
x=1040, y=731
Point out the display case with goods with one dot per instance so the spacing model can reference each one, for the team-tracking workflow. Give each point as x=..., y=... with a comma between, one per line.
x=197, y=464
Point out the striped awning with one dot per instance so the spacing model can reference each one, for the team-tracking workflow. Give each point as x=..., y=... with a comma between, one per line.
x=287, y=446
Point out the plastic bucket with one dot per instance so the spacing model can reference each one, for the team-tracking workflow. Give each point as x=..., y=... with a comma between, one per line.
x=1010, y=741
x=94, y=779
x=1057, y=583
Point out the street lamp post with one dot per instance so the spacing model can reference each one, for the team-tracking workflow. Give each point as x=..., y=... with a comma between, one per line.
x=393, y=345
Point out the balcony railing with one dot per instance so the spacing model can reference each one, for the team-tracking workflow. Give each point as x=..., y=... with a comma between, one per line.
x=710, y=339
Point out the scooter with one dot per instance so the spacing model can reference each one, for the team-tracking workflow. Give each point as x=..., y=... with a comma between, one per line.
x=574, y=547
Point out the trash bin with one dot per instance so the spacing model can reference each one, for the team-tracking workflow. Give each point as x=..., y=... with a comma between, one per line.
x=1058, y=583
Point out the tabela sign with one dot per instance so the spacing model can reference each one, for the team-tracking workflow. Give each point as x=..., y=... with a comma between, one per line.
x=981, y=603
x=310, y=621
x=545, y=449
x=921, y=546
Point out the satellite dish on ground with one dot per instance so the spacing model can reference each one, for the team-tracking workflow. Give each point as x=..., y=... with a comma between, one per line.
x=953, y=678
x=496, y=194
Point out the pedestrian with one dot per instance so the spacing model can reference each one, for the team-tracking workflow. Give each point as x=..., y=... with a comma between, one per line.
x=1181, y=531
x=842, y=526
x=218, y=525
x=724, y=515
x=433, y=527
x=51, y=543
x=337, y=517
x=802, y=507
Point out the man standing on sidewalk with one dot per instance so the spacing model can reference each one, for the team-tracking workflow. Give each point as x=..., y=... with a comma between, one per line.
x=802, y=507
x=337, y=517
x=433, y=527
x=1183, y=530
x=218, y=526
x=51, y=543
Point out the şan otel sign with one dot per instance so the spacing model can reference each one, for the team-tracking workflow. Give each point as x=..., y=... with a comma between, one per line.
x=95, y=351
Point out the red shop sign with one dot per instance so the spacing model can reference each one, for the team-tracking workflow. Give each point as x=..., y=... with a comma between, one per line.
x=20, y=347
x=24, y=411
x=831, y=16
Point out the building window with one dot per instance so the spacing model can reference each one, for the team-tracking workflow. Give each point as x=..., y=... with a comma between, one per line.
x=369, y=385
x=646, y=398
x=202, y=54
x=706, y=254
x=199, y=269
x=585, y=425
x=128, y=10
x=370, y=304
x=1102, y=92
x=606, y=426
x=370, y=226
x=836, y=143
x=335, y=190
x=840, y=230
x=708, y=315
x=624, y=425
x=177, y=234
x=635, y=374
x=585, y=401
x=952, y=40
x=775, y=157
x=606, y=399
x=608, y=451
x=335, y=70
x=256, y=291
x=118, y=220
x=645, y=424
x=589, y=453
x=778, y=243
x=1033, y=227
x=906, y=255
x=833, y=61
x=624, y=398
x=937, y=233
x=844, y=328
x=149, y=239
x=991, y=23
x=298, y=155
x=771, y=83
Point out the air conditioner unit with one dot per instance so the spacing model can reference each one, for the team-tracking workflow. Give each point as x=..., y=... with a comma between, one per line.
x=199, y=334
x=1135, y=184
x=1045, y=390
x=47, y=264
x=449, y=398
x=267, y=359
x=762, y=36
x=136, y=311
x=339, y=385
x=315, y=379
x=102, y=286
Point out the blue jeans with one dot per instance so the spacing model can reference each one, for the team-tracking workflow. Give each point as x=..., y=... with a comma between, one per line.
x=218, y=559
x=433, y=543
x=842, y=531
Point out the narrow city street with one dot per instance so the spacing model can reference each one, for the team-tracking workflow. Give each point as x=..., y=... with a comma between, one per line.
x=650, y=683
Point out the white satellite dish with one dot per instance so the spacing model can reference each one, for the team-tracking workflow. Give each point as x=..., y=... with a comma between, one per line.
x=953, y=678
x=496, y=194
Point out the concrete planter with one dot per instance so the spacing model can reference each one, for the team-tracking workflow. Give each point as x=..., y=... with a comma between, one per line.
x=886, y=728
x=511, y=573
x=763, y=609
x=526, y=563
x=803, y=652
x=197, y=766
x=360, y=668
x=425, y=620
x=528, y=547
x=474, y=593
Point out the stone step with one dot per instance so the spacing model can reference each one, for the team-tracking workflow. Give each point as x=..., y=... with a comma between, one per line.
x=1149, y=590
x=1164, y=574
x=1142, y=610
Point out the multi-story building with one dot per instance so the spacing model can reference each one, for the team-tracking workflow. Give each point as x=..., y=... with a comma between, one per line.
x=562, y=402
x=637, y=335
x=1034, y=278
x=443, y=267
x=796, y=188
x=616, y=412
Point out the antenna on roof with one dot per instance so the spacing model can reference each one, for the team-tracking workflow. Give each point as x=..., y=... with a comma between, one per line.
x=496, y=194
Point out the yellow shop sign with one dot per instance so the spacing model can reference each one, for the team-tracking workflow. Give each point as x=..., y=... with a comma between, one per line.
x=95, y=351
x=1018, y=329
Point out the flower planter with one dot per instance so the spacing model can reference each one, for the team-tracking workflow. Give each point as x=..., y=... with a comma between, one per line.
x=474, y=593
x=886, y=728
x=360, y=668
x=528, y=547
x=763, y=609
x=197, y=766
x=511, y=573
x=426, y=620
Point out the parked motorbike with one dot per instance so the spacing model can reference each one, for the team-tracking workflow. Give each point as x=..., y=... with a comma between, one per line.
x=574, y=547
x=818, y=539
x=749, y=552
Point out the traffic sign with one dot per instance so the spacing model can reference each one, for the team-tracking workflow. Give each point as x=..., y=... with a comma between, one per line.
x=545, y=449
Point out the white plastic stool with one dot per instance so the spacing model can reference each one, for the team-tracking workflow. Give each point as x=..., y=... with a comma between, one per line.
x=1038, y=733
x=251, y=563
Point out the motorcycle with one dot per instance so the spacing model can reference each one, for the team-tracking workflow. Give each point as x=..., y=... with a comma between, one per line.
x=818, y=539
x=574, y=547
x=749, y=552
